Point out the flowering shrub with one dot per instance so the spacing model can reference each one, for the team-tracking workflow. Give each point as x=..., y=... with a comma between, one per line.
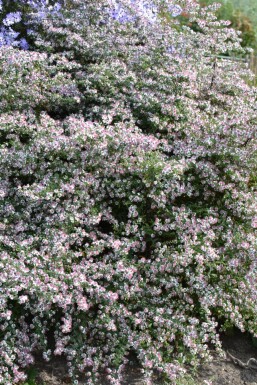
x=29, y=82
x=127, y=193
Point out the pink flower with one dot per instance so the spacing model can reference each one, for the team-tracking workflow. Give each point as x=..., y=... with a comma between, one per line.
x=148, y=364
x=245, y=245
x=67, y=324
x=23, y=298
x=82, y=304
x=116, y=244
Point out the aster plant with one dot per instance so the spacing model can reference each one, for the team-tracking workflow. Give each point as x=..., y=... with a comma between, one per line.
x=128, y=191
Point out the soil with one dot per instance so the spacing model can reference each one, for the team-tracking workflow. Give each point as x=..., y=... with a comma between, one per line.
x=221, y=371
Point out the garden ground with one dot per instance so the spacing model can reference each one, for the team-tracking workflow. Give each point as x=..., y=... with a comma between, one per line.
x=221, y=371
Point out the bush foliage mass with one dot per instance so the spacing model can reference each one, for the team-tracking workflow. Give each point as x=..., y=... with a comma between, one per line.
x=128, y=191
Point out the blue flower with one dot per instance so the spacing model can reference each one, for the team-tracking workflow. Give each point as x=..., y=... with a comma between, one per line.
x=145, y=9
x=175, y=10
x=171, y=49
x=11, y=34
x=43, y=9
x=57, y=7
x=24, y=44
x=148, y=10
x=12, y=18
x=2, y=39
x=118, y=13
x=8, y=36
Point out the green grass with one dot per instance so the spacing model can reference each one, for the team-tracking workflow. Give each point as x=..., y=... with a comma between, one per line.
x=249, y=7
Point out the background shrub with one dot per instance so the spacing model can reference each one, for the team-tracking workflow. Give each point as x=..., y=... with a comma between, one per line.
x=127, y=162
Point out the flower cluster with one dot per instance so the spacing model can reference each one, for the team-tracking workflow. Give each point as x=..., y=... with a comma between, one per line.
x=127, y=193
x=19, y=18
x=139, y=8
